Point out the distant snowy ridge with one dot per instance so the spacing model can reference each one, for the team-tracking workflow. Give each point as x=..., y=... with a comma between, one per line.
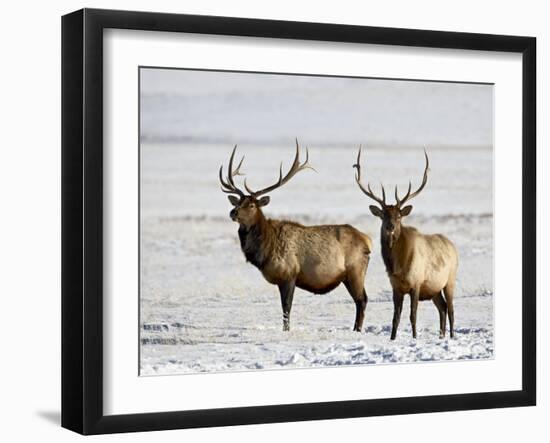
x=185, y=105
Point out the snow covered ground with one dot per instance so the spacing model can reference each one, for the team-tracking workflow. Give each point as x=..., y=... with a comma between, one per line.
x=203, y=308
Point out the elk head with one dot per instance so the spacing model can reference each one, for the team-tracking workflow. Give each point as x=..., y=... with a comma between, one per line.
x=247, y=204
x=391, y=215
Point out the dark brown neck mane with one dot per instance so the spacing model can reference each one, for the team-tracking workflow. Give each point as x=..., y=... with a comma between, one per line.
x=401, y=247
x=256, y=241
x=386, y=254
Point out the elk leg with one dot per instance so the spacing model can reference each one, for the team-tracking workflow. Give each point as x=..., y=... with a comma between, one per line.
x=441, y=306
x=414, y=307
x=360, y=306
x=397, y=308
x=449, y=294
x=359, y=295
x=287, y=293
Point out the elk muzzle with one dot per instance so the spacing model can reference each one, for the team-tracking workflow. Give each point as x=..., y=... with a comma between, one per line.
x=390, y=237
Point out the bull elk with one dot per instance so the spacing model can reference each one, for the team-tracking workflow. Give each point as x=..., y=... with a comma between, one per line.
x=421, y=265
x=288, y=254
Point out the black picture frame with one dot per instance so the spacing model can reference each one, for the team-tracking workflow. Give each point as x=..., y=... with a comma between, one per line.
x=82, y=220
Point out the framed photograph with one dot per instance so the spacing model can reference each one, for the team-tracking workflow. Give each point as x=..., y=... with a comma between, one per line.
x=268, y=221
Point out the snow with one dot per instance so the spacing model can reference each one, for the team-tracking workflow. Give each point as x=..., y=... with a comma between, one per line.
x=204, y=309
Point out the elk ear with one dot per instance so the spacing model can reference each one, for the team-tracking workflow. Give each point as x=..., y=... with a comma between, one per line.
x=264, y=201
x=234, y=200
x=406, y=211
x=376, y=211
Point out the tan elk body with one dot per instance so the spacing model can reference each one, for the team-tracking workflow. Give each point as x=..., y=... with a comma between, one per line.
x=421, y=265
x=288, y=254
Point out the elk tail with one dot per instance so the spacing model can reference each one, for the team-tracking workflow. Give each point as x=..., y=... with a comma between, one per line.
x=368, y=243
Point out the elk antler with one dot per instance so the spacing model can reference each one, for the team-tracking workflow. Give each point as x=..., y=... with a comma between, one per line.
x=229, y=186
x=294, y=169
x=408, y=195
x=368, y=192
